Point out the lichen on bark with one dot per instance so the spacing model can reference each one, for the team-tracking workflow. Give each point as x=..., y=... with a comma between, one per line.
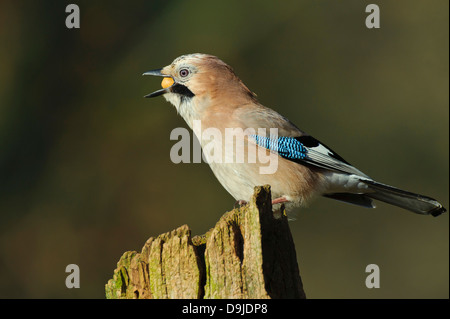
x=248, y=254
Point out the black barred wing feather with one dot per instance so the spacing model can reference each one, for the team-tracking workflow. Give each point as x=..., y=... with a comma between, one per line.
x=306, y=150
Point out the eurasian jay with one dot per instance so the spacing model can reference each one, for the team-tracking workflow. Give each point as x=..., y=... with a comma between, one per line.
x=206, y=91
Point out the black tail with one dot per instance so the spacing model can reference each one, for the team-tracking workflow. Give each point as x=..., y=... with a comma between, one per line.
x=416, y=203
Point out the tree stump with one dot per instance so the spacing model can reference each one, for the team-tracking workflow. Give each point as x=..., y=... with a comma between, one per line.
x=248, y=254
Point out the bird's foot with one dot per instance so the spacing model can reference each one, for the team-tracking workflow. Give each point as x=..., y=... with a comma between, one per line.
x=279, y=210
x=240, y=203
x=279, y=200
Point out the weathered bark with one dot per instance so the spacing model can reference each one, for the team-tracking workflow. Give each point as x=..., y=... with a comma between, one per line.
x=248, y=254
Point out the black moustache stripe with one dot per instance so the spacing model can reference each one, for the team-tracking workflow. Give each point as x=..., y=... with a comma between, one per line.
x=182, y=90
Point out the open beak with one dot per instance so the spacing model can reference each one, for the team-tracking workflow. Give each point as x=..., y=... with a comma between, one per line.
x=166, y=83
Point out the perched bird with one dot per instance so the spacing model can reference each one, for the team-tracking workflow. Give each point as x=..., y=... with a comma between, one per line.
x=209, y=96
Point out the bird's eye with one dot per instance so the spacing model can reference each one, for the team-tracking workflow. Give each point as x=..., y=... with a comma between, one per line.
x=184, y=73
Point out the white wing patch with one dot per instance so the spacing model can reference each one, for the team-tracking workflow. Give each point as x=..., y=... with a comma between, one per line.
x=324, y=157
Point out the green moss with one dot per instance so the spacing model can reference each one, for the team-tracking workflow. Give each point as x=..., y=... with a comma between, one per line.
x=117, y=286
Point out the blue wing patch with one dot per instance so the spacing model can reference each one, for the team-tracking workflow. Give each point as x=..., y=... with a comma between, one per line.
x=287, y=147
x=306, y=150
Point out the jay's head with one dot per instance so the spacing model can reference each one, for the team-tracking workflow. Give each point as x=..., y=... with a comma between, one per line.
x=199, y=77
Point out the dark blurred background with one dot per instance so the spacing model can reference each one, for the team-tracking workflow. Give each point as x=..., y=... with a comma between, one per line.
x=85, y=172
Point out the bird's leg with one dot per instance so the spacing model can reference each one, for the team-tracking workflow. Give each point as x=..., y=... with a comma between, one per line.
x=279, y=200
x=240, y=203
